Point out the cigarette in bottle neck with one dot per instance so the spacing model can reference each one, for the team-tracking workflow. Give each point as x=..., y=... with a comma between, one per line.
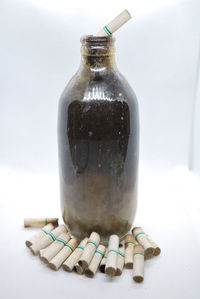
x=115, y=24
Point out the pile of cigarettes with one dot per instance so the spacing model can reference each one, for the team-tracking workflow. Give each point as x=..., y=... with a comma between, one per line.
x=57, y=248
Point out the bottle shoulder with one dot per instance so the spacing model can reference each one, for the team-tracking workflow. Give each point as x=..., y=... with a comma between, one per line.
x=107, y=86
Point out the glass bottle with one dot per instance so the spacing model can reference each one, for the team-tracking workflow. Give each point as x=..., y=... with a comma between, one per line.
x=98, y=138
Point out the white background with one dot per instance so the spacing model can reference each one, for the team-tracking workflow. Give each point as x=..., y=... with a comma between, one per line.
x=157, y=51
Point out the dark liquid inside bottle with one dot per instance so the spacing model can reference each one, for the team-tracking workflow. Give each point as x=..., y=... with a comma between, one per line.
x=98, y=150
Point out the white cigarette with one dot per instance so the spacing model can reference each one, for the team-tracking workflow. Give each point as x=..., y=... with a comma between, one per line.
x=111, y=263
x=48, y=239
x=157, y=249
x=89, y=250
x=93, y=266
x=103, y=262
x=138, y=270
x=141, y=237
x=115, y=24
x=120, y=259
x=49, y=252
x=39, y=235
x=78, y=269
x=130, y=243
x=73, y=259
x=39, y=222
x=63, y=254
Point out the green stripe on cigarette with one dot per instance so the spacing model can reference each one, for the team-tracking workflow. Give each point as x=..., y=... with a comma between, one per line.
x=107, y=30
x=142, y=233
x=81, y=247
x=120, y=253
x=61, y=240
x=45, y=221
x=92, y=242
x=44, y=231
x=70, y=247
x=52, y=236
x=112, y=250
x=100, y=252
x=139, y=253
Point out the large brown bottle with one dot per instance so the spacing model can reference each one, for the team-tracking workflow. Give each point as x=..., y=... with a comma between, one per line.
x=98, y=136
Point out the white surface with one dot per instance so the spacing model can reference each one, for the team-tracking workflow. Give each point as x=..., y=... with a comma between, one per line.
x=169, y=211
x=194, y=161
x=157, y=53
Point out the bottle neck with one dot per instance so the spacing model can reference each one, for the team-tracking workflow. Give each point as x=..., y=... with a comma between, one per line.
x=98, y=53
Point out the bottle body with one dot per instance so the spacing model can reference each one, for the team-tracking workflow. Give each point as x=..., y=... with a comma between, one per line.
x=98, y=136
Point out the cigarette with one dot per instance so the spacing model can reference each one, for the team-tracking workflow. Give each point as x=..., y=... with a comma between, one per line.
x=138, y=270
x=48, y=239
x=157, y=249
x=78, y=269
x=89, y=250
x=111, y=262
x=142, y=239
x=73, y=259
x=63, y=254
x=39, y=222
x=130, y=243
x=93, y=266
x=49, y=252
x=39, y=235
x=120, y=259
x=115, y=24
x=103, y=262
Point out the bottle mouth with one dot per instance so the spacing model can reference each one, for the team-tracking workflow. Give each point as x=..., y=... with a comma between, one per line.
x=97, y=39
x=97, y=45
